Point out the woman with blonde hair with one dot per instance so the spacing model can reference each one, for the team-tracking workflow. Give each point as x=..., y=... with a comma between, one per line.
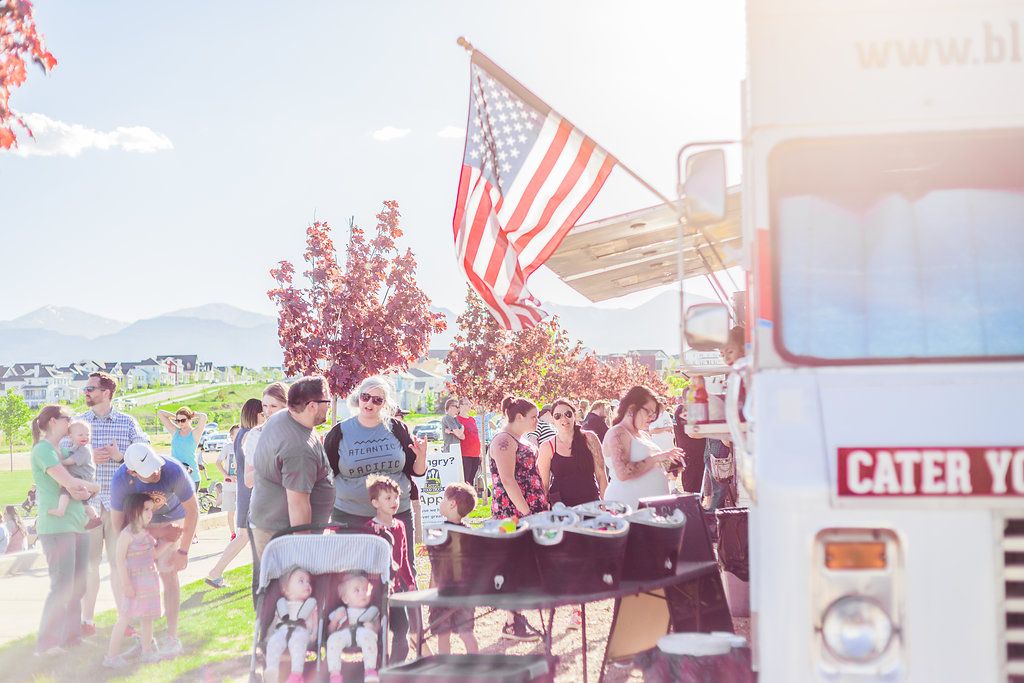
x=374, y=442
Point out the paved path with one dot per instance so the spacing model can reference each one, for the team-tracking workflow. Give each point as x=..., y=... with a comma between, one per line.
x=22, y=595
x=183, y=391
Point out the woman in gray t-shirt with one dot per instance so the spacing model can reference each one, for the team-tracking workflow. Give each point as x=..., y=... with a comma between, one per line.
x=373, y=442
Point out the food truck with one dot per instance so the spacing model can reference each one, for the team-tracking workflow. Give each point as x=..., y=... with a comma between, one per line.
x=879, y=229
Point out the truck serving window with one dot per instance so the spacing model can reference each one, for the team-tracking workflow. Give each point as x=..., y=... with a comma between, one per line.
x=899, y=248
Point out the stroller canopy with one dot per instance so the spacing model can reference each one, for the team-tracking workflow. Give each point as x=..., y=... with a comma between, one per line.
x=326, y=554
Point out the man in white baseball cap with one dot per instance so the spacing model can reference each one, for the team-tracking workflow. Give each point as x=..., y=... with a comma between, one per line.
x=141, y=461
x=175, y=515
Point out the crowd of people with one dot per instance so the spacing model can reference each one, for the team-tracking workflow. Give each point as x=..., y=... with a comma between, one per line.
x=99, y=485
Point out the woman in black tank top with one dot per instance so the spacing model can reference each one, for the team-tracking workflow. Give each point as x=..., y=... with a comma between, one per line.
x=571, y=465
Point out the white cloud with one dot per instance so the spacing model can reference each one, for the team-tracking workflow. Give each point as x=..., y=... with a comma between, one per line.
x=452, y=132
x=389, y=133
x=57, y=138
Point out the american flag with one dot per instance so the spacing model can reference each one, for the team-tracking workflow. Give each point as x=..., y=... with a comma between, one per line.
x=527, y=177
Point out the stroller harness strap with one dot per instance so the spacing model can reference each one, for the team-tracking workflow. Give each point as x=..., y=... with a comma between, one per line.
x=285, y=619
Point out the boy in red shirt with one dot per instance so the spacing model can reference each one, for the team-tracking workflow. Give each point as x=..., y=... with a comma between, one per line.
x=385, y=497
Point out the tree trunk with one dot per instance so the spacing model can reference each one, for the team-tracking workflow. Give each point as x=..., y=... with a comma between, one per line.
x=334, y=410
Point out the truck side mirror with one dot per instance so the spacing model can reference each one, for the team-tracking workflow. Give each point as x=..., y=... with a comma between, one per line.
x=704, y=187
x=706, y=326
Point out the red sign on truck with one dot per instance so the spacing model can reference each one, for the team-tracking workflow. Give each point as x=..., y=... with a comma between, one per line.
x=931, y=471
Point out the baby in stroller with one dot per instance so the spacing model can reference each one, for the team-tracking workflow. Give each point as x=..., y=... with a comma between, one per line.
x=295, y=621
x=322, y=591
x=355, y=622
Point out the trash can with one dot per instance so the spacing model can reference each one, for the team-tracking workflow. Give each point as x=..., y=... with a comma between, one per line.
x=734, y=558
x=691, y=658
x=472, y=669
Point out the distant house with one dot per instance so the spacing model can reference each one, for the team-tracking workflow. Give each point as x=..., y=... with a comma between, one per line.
x=179, y=369
x=427, y=381
x=145, y=373
x=39, y=383
x=656, y=360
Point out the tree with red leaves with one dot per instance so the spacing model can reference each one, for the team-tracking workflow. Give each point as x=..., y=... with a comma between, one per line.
x=18, y=40
x=542, y=363
x=350, y=323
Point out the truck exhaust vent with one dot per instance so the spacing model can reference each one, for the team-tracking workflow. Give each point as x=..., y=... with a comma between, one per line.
x=1013, y=571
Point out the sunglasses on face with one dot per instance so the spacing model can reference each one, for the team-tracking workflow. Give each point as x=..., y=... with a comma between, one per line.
x=322, y=400
x=180, y=421
x=558, y=416
x=370, y=398
x=89, y=390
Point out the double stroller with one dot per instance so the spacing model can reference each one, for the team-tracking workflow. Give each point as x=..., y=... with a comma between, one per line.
x=299, y=604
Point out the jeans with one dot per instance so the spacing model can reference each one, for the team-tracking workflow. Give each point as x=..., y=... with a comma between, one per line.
x=398, y=617
x=67, y=560
x=723, y=493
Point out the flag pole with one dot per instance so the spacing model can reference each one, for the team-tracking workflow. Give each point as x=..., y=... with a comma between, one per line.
x=676, y=207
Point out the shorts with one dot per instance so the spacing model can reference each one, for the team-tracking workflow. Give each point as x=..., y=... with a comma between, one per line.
x=445, y=620
x=229, y=497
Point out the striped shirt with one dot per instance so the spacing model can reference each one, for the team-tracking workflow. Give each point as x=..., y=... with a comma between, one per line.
x=544, y=432
x=118, y=428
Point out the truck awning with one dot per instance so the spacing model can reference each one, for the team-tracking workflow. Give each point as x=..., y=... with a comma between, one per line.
x=637, y=251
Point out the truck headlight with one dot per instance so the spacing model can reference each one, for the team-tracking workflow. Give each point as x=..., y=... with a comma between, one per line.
x=856, y=629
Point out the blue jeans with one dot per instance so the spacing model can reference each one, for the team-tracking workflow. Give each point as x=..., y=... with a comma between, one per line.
x=723, y=493
x=67, y=561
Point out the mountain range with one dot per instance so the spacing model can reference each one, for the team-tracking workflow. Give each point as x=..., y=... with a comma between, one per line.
x=226, y=334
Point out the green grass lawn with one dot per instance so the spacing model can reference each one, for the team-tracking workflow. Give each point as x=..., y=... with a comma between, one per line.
x=222, y=405
x=13, y=486
x=215, y=626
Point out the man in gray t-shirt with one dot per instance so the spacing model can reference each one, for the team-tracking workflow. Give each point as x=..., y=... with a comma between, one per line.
x=451, y=429
x=293, y=483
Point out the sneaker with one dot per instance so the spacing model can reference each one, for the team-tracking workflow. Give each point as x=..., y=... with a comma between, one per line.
x=117, y=662
x=171, y=648
x=519, y=629
x=55, y=651
x=219, y=582
x=88, y=630
x=150, y=657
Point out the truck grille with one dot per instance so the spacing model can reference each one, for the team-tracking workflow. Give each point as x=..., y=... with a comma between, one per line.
x=1013, y=571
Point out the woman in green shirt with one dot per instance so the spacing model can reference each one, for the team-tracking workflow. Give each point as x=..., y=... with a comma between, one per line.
x=64, y=539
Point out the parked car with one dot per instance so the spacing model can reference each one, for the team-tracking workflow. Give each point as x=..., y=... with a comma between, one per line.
x=208, y=431
x=430, y=430
x=215, y=441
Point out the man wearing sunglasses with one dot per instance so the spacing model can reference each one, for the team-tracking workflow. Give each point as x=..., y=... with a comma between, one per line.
x=294, y=484
x=112, y=433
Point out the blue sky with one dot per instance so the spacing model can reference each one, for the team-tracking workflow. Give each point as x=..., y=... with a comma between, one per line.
x=208, y=134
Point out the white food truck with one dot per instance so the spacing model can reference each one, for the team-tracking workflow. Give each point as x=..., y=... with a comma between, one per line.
x=882, y=240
